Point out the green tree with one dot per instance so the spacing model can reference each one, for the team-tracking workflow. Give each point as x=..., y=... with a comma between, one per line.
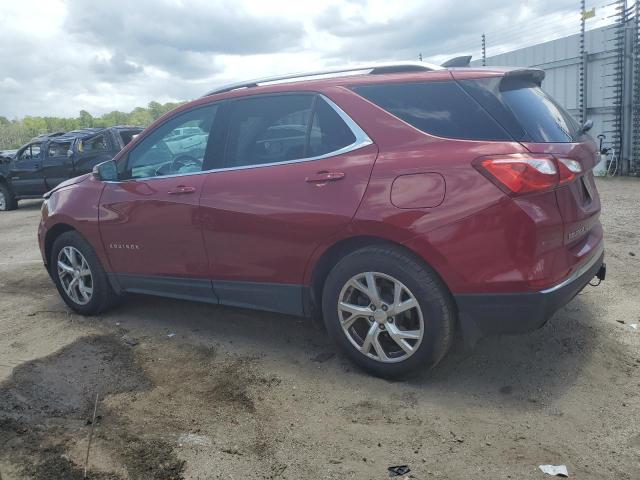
x=85, y=119
x=155, y=109
x=140, y=116
x=15, y=133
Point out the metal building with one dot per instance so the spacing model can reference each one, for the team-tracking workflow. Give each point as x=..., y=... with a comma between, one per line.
x=594, y=80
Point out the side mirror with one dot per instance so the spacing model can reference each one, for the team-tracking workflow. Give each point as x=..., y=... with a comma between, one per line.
x=69, y=153
x=588, y=125
x=106, y=171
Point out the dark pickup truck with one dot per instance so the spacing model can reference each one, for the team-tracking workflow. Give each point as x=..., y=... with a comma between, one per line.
x=49, y=159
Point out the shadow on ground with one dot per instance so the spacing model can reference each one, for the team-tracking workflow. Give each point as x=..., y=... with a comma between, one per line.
x=519, y=371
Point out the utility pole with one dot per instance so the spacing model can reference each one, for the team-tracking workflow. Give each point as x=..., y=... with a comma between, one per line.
x=420, y=56
x=582, y=87
x=484, y=50
x=635, y=126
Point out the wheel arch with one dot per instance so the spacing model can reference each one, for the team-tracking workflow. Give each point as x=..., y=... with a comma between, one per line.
x=52, y=234
x=4, y=181
x=332, y=255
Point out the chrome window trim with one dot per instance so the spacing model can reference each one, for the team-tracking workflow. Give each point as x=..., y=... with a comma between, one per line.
x=362, y=140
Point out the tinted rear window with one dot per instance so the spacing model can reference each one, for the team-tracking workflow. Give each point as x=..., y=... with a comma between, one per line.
x=281, y=128
x=439, y=108
x=524, y=109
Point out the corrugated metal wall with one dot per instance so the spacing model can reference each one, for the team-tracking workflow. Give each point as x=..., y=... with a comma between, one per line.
x=560, y=59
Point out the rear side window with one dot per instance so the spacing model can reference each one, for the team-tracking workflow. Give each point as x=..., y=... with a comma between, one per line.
x=328, y=132
x=95, y=144
x=57, y=149
x=524, y=109
x=439, y=108
x=127, y=135
x=268, y=129
x=282, y=128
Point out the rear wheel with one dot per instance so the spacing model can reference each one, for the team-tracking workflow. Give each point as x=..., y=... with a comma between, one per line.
x=7, y=200
x=79, y=276
x=388, y=311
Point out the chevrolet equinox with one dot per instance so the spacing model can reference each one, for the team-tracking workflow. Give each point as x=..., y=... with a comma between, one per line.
x=395, y=202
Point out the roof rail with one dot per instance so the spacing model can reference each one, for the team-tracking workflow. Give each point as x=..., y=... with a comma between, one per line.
x=370, y=69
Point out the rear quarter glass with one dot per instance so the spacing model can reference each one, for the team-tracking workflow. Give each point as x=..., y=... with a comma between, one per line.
x=440, y=108
x=524, y=109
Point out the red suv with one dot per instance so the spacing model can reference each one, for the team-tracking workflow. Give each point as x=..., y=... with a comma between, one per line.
x=393, y=201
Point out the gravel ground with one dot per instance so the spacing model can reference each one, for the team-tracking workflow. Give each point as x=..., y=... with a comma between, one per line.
x=236, y=394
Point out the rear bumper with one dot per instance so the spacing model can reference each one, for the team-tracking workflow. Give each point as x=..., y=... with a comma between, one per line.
x=525, y=312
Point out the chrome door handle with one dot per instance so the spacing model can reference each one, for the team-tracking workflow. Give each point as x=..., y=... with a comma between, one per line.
x=181, y=190
x=322, y=177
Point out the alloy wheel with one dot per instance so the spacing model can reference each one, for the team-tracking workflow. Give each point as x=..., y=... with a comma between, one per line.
x=75, y=275
x=381, y=317
x=3, y=201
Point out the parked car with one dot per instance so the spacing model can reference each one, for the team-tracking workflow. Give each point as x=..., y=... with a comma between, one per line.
x=396, y=203
x=49, y=159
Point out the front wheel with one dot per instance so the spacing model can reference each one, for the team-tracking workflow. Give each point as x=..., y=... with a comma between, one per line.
x=79, y=276
x=389, y=312
x=7, y=200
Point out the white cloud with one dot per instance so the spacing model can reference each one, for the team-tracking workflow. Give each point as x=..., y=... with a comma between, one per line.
x=60, y=56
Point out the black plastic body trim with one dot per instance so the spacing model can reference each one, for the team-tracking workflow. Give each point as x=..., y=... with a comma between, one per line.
x=200, y=290
x=522, y=312
x=272, y=297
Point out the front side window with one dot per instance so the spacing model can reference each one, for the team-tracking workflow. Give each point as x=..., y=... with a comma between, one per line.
x=283, y=128
x=32, y=152
x=25, y=154
x=35, y=151
x=163, y=152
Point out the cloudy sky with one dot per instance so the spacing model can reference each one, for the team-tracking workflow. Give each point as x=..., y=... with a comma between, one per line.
x=60, y=56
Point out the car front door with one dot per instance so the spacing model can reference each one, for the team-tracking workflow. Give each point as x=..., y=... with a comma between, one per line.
x=295, y=170
x=26, y=172
x=149, y=218
x=56, y=164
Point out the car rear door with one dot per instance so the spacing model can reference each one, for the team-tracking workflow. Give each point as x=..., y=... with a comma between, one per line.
x=56, y=164
x=26, y=171
x=149, y=219
x=295, y=170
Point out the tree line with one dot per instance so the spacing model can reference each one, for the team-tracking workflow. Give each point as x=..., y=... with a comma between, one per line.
x=15, y=133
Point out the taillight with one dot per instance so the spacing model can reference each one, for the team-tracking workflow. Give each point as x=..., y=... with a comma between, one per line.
x=569, y=169
x=525, y=173
x=520, y=173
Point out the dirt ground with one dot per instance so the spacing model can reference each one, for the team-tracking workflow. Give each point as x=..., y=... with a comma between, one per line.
x=236, y=394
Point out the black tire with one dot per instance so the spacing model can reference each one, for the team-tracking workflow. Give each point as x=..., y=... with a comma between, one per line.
x=103, y=296
x=434, y=299
x=10, y=202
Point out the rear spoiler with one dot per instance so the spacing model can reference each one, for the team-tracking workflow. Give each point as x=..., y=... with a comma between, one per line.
x=463, y=61
x=534, y=75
